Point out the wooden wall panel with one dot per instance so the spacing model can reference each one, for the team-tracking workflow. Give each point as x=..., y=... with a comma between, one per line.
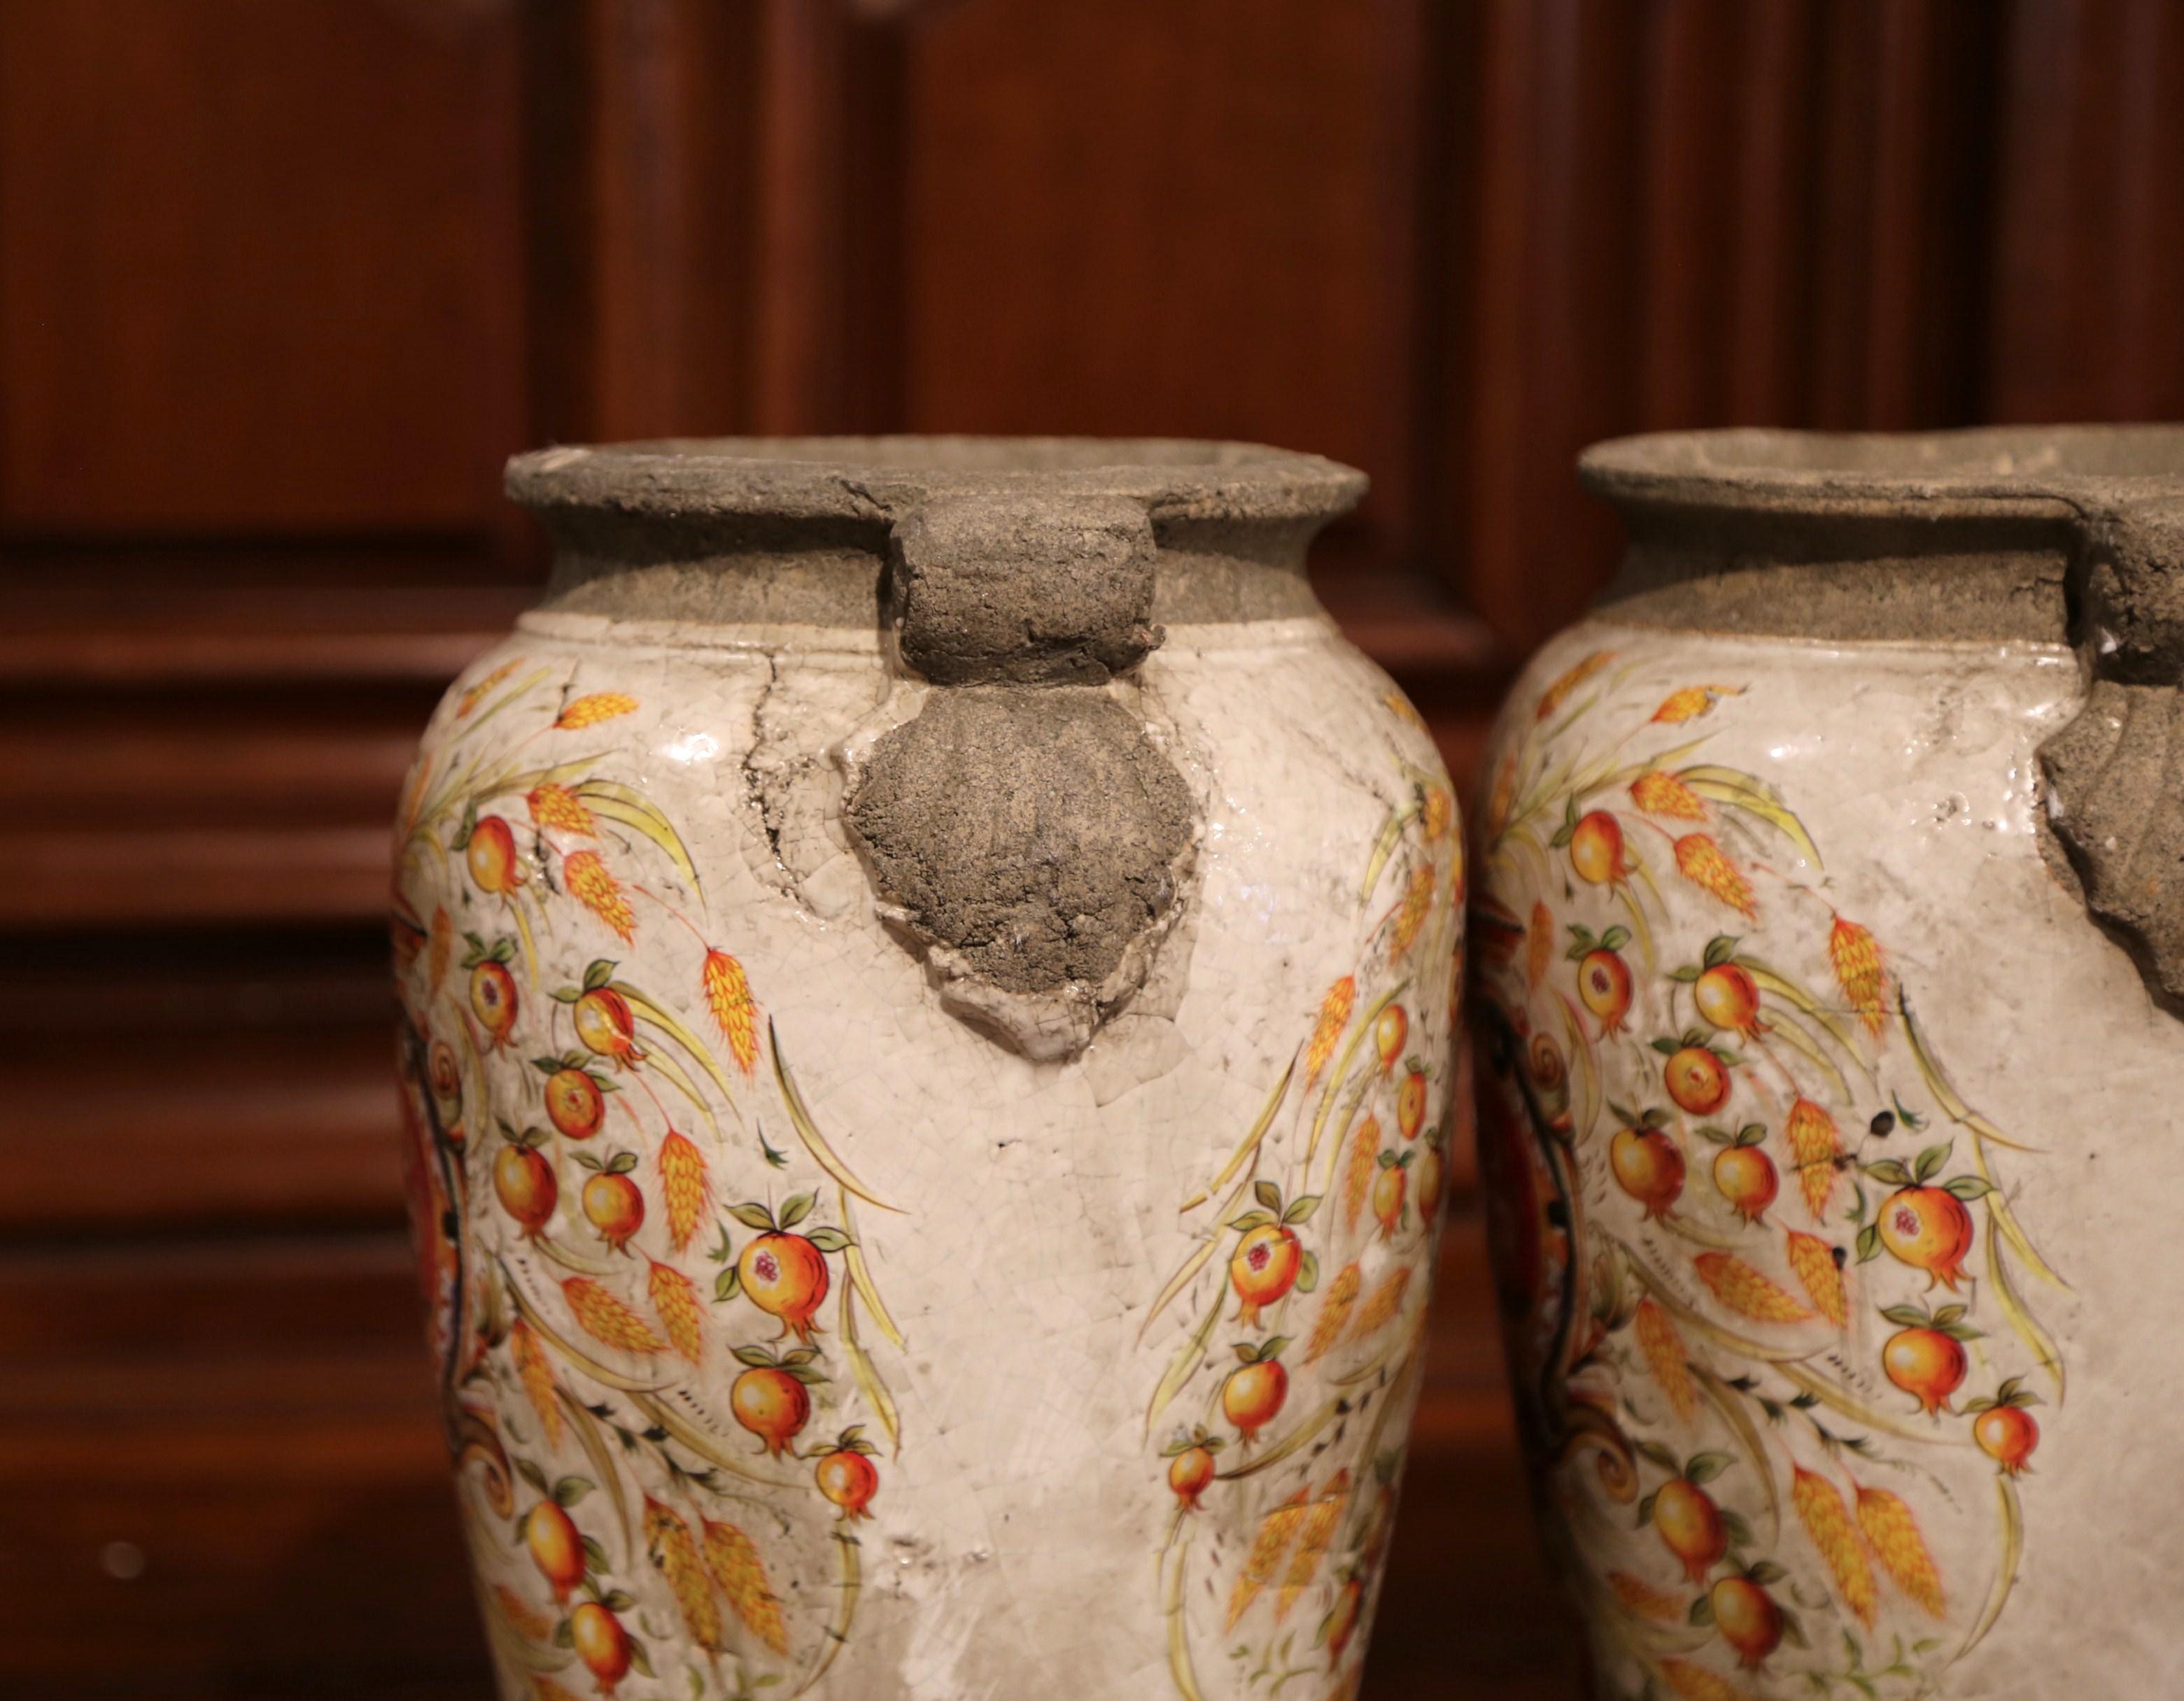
x=257, y=262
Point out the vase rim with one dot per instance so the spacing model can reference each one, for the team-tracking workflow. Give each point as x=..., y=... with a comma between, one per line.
x=869, y=477
x=1990, y=469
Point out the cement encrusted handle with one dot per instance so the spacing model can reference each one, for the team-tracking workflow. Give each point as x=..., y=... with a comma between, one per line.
x=1023, y=828
x=2115, y=774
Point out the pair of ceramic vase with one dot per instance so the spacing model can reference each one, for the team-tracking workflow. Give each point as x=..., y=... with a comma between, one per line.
x=929, y=972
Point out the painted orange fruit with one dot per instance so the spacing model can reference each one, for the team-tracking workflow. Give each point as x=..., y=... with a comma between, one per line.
x=1392, y=1027
x=1190, y=1474
x=615, y=1206
x=491, y=855
x=1648, y=1166
x=1727, y=1000
x=1747, y=1618
x=786, y=1277
x=1748, y=1178
x=601, y=1643
x=523, y=1180
x=1340, y=1624
x=555, y=1547
x=850, y=1480
x=1691, y=1526
x=1596, y=848
x=574, y=1103
x=493, y=1000
x=1696, y=1080
x=604, y=1025
x=1603, y=986
x=1264, y=1268
x=1431, y=1179
x=1926, y=1364
x=771, y=1404
x=1928, y=1228
x=1252, y=1396
x=2007, y=1435
x=1411, y=1102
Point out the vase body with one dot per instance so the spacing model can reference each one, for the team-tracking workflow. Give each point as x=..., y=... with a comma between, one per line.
x=1830, y=1172
x=926, y=1145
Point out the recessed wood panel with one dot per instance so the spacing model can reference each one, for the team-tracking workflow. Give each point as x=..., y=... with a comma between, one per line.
x=259, y=264
x=1172, y=216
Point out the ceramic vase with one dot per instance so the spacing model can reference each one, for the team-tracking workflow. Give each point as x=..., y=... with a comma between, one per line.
x=929, y=969
x=1831, y=932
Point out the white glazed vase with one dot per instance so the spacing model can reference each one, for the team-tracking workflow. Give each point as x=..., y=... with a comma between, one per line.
x=928, y=970
x=1827, y=1118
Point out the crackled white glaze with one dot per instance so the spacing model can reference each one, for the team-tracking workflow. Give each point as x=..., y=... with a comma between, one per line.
x=1046, y=1314
x=1921, y=978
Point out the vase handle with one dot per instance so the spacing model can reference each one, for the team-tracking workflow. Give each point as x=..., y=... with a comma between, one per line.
x=1023, y=829
x=2115, y=774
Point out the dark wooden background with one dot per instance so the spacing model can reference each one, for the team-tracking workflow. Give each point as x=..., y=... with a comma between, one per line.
x=281, y=283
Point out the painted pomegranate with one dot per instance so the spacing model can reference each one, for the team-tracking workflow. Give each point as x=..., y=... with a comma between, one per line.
x=2004, y=1431
x=1253, y=1394
x=1603, y=978
x=846, y=1476
x=1727, y=1000
x=1689, y=1523
x=1411, y=1102
x=1645, y=1162
x=1388, y=1033
x=604, y=1025
x=492, y=987
x=785, y=1274
x=1389, y=1189
x=1596, y=847
x=1929, y=1228
x=523, y=1181
x=555, y=1547
x=1191, y=1464
x=772, y=1398
x=601, y=1643
x=613, y=1203
x=1264, y=1267
x=490, y=856
x=1694, y=1076
x=1743, y=1173
x=575, y=1104
x=1432, y=1176
x=1746, y=1615
x=1926, y=1356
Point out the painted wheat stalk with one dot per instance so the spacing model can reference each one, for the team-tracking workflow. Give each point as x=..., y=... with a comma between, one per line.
x=682, y=1184
x=478, y=692
x=1700, y=861
x=681, y=1314
x=1436, y=812
x=1665, y=796
x=1645, y=1600
x=1665, y=1358
x=590, y=711
x=556, y=805
x=1746, y=1291
x=1333, y=1312
x=1894, y=1535
x=1691, y=702
x=1333, y=1017
x=728, y=996
x=1814, y=1146
x=536, y=1373
x=1814, y=1261
x=587, y=877
x=1411, y=913
x=674, y=1550
x=1313, y=1543
x=1559, y=693
x=1358, y=1171
x=733, y=1560
x=1854, y=955
x=604, y=1318
x=1276, y=1531
x=1382, y=1304
x=1827, y=1521
x=1697, y=1683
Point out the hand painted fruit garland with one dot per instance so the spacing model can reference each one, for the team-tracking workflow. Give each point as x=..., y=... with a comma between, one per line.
x=1307, y=1292
x=568, y=1169
x=1705, y=1281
